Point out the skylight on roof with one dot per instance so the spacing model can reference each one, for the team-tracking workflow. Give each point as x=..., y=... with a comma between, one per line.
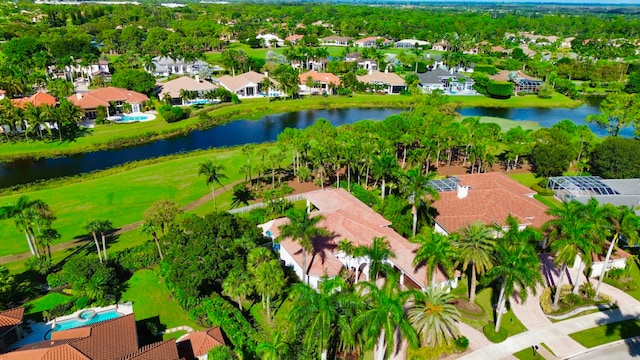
x=448, y=184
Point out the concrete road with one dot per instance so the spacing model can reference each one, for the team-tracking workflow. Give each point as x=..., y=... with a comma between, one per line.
x=628, y=349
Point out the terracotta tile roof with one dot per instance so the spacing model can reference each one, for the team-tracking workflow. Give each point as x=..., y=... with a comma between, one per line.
x=347, y=217
x=76, y=333
x=378, y=77
x=46, y=350
x=103, y=96
x=491, y=198
x=294, y=38
x=617, y=253
x=165, y=350
x=326, y=78
x=110, y=339
x=201, y=342
x=37, y=99
x=174, y=86
x=10, y=318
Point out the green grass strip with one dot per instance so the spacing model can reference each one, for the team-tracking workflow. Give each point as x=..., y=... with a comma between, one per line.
x=607, y=333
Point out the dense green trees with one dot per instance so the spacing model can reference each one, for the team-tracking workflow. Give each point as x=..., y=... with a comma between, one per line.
x=134, y=79
x=476, y=245
x=616, y=158
x=617, y=112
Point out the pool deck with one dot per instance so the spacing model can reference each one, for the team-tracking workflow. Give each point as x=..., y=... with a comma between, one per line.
x=40, y=330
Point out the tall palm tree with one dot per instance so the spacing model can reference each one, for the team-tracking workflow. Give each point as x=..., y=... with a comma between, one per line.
x=567, y=229
x=384, y=167
x=302, y=229
x=416, y=186
x=18, y=213
x=384, y=323
x=623, y=222
x=275, y=348
x=436, y=251
x=237, y=285
x=324, y=317
x=99, y=226
x=269, y=281
x=434, y=316
x=517, y=265
x=213, y=173
x=377, y=254
x=476, y=245
x=149, y=228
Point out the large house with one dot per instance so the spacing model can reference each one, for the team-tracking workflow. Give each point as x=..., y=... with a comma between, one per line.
x=346, y=217
x=271, y=40
x=388, y=82
x=489, y=198
x=372, y=41
x=336, y=41
x=115, y=339
x=410, y=44
x=173, y=89
x=166, y=66
x=37, y=99
x=248, y=85
x=293, y=39
x=450, y=82
x=324, y=83
x=112, y=98
x=522, y=82
x=366, y=64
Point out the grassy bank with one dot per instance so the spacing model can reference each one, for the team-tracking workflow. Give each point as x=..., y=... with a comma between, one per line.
x=607, y=333
x=121, y=135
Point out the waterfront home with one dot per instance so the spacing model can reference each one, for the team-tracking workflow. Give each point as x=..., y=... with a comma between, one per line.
x=248, y=85
x=293, y=39
x=372, y=41
x=336, y=41
x=450, y=82
x=387, y=82
x=166, y=66
x=410, y=44
x=175, y=88
x=346, y=217
x=112, y=98
x=313, y=83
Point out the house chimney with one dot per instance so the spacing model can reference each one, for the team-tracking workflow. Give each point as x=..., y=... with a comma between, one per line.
x=78, y=95
x=463, y=191
x=198, y=78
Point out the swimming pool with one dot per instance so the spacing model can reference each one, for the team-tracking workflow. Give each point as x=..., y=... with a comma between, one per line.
x=84, y=318
x=134, y=118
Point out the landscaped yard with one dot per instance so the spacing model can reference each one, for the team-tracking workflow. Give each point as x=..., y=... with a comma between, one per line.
x=34, y=308
x=527, y=353
x=631, y=282
x=152, y=300
x=607, y=333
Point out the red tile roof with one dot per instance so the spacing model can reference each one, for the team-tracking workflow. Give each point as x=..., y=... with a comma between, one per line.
x=10, y=318
x=347, y=217
x=165, y=350
x=491, y=198
x=326, y=78
x=203, y=341
x=103, y=96
x=37, y=99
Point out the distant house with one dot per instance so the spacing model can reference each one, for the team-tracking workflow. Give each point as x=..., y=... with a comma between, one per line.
x=336, y=41
x=522, y=82
x=37, y=99
x=450, y=82
x=324, y=83
x=346, y=217
x=271, y=40
x=3, y=94
x=247, y=85
x=166, y=66
x=89, y=102
x=389, y=82
x=441, y=46
x=293, y=39
x=11, y=327
x=410, y=44
x=366, y=64
x=173, y=89
x=372, y=41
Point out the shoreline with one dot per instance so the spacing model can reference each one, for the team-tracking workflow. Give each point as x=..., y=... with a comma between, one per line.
x=253, y=109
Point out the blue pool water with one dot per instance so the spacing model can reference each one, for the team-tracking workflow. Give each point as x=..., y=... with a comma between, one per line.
x=74, y=323
x=131, y=118
x=198, y=102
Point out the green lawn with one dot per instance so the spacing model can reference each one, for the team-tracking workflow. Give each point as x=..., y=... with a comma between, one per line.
x=151, y=299
x=46, y=302
x=527, y=353
x=556, y=101
x=632, y=285
x=506, y=124
x=607, y=333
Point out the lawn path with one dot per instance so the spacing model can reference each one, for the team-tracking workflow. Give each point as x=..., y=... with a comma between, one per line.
x=124, y=229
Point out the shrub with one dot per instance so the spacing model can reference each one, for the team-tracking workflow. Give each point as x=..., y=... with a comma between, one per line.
x=138, y=257
x=56, y=280
x=545, y=301
x=492, y=335
x=430, y=352
x=572, y=299
x=461, y=344
x=61, y=309
x=82, y=302
x=488, y=69
x=587, y=290
x=363, y=194
x=615, y=273
x=542, y=191
x=500, y=89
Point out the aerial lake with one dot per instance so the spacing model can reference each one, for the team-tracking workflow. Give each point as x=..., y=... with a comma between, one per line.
x=242, y=132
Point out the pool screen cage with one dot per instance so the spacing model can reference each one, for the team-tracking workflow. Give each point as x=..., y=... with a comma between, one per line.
x=442, y=185
x=567, y=188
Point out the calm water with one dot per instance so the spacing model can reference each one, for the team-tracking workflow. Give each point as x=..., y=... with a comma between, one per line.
x=244, y=131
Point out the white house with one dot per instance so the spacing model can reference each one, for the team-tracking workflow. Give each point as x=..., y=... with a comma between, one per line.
x=335, y=41
x=247, y=85
x=166, y=66
x=410, y=44
x=372, y=41
x=391, y=83
x=270, y=39
x=450, y=82
x=346, y=217
x=173, y=89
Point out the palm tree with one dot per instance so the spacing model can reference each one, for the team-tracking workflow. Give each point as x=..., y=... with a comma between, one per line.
x=274, y=349
x=269, y=281
x=148, y=228
x=18, y=212
x=324, y=316
x=568, y=230
x=384, y=321
x=436, y=250
x=624, y=223
x=476, y=244
x=237, y=286
x=383, y=168
x=266, y=85
x=302, y=229
x=416, y=186
x=101, y=226
x=517, y=265
x=213, y=173
x=377, y=255
x=434, y=316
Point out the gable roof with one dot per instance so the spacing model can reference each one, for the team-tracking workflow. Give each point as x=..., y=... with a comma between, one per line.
x=433, y=76
x=235, y=83
x=165, y=350
x=294, y=37
x=37, y=99
x=103, y=96
x=174, y=86
x=203, y=341
x=347, y=217
x=491, y=198
x=381, y=78
x=372, y=38
x=326, y=78
x=337, y=38
x=10, y=318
